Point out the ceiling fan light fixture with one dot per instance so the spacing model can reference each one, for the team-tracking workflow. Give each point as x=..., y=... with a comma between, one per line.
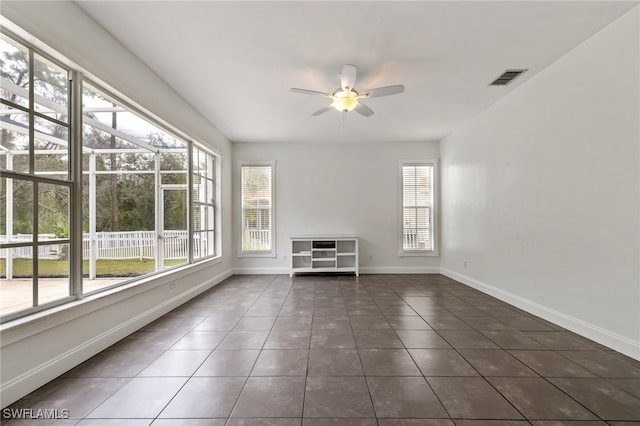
x=345, y=100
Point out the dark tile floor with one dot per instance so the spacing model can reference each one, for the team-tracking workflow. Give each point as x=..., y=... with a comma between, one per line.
x=388, y=350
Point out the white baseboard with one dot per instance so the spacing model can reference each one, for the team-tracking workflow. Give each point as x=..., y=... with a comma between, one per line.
x=399, y=270
x=363, y=270
x=261, y=270
x=36, y=377
x=593, y=332
x=25, y=383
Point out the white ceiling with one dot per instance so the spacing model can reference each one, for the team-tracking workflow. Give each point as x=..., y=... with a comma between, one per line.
x=235, y=61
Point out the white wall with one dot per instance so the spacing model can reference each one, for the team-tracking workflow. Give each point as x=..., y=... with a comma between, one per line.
x=336, y=188
x=518, y=194
x=38, y=349
x=541, y=192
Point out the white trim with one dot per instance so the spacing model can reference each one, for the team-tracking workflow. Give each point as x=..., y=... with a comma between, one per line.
x=20, y=386
x=271, y=253
x=28, y=381
x=593, y=332
x=265, y=270
x=243, y=270
x=399, y=270
x=79, y=79
x=30, y=325
x=435, y=208
x=418, y=253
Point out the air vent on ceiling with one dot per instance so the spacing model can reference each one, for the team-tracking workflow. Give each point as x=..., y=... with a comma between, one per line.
x=507, y=77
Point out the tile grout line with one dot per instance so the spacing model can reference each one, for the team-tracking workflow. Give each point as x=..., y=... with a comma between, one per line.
x=364, y=373
x=382, y=286
x=259, y=353
x=492, y=385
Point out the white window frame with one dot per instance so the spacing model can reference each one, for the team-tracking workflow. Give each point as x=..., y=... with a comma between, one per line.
x=433, y=252
x=257, y=253
x=77, y=290
x=212, y=204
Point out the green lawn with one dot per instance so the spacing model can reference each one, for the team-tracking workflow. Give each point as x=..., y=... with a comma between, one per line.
x=22, y=268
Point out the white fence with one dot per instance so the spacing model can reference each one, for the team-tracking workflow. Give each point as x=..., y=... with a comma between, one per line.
x=110, y=245
x=257, y=239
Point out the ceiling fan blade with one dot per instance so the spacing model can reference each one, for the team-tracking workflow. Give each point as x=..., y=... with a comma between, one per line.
x=383, y=91
x=348, y=77
x=309, y=92
x=322, y=110
x=363, y=109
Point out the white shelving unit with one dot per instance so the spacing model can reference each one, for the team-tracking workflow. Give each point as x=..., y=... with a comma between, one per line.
x=324, y=254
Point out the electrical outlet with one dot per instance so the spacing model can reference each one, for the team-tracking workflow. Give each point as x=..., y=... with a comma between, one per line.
x=370, y=258
x=172, y=285
x=465, y=263
x=284, y=258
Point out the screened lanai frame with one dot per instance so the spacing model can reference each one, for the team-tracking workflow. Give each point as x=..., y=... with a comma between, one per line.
x=199, y=181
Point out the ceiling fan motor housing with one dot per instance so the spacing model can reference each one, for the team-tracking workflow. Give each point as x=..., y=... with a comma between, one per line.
x=345, y=100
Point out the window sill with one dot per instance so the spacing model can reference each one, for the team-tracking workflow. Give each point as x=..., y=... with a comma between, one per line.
x=258, y=254
x=24, y=327
x=418, y=254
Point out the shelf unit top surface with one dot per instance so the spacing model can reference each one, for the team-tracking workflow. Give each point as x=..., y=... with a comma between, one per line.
x=324, y=238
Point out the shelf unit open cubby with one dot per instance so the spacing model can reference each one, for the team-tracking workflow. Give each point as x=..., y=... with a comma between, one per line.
x=324, y=254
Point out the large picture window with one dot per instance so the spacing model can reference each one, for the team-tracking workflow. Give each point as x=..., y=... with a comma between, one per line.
x=257, y=185
x=135, y=216
x=94, y=193
x=418, y=208
x=36, y=189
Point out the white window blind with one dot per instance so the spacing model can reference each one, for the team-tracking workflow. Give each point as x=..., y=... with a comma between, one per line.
x=417, y=207
x=257, y=208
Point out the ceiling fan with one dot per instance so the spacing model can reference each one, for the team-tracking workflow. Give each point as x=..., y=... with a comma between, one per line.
x=346, y=98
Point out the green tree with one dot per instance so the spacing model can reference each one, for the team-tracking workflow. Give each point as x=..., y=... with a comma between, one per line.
x=50, y=88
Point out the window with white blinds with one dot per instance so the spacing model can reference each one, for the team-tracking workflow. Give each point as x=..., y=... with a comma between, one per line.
x=418, y=197
x=257, y=208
